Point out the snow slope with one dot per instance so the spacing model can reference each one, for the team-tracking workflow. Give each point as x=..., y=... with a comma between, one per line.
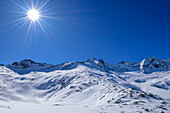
x=90, y=87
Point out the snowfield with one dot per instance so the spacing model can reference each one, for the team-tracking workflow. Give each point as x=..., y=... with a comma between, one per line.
x=93, y=86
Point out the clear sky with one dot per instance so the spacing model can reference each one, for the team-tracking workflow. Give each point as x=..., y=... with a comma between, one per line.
x=76, y=30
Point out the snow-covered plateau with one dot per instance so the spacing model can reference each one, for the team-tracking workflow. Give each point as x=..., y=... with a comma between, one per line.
x=92, y=86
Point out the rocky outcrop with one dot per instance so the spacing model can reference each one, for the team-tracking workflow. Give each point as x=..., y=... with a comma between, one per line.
x=1, y=64
x=27, y=63
x=152, y=64
x=147, y=65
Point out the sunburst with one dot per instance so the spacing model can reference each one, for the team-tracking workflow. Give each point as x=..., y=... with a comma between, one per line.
x=32, y=14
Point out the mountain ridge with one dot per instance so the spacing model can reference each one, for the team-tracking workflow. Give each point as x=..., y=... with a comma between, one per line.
x=147, y=65
x=93, y=85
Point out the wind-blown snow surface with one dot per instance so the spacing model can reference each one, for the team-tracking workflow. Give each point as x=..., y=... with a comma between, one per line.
x=85, y=87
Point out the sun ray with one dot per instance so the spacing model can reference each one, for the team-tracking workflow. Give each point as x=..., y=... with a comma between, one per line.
x=33, y=17
x=28, y=7
x=17, y=5
x=22, y=19
x=43, y=4
x=40, y=24
x=31, y=10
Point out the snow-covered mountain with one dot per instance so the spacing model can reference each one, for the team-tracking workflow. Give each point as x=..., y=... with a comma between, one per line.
x=90, y=86
x=153, y=64
x=147, y=65
x=27, y=65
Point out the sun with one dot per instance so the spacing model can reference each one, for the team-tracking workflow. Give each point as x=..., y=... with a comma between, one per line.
x=33, y=15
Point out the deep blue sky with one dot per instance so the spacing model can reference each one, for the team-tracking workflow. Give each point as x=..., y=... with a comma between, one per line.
x=113, y=30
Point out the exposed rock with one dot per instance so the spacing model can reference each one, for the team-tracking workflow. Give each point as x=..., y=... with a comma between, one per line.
x=102, y=61
x=1, y=64
x=151, y=64
x=27, y=63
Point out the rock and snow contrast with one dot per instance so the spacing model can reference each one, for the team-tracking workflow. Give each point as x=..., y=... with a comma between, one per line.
x=93, y=86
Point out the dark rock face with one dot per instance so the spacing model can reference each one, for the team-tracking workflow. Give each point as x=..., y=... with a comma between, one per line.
x=102, y=61
x=151, y=64
x=147, y=65
x=122, y=62
x=27, y=63
x=26, y=66
x=24, y=63
x=90, y=59
x=1, y=64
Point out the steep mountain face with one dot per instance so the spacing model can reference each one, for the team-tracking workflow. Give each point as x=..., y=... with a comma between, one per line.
x=147, y=65
x=93, y=86
x=151, y=64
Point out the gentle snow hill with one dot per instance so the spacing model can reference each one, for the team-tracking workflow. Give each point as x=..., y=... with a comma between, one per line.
x=92, y=86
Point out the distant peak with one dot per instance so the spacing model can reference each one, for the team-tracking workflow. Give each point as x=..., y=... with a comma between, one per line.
x=147, y=65
x=22, y=62
x=122, y=62
x=91, y=59
x=151, y=64
x=28, y=63
x=27, y=60
x=151, y=58
x=102, y=61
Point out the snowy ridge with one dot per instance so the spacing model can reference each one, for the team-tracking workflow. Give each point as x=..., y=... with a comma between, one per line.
x=26, y=66
x=147, y=65
x=27, y=63
x=92, y=86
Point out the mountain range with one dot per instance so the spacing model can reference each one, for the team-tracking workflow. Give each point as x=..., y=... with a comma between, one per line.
x=91, y=86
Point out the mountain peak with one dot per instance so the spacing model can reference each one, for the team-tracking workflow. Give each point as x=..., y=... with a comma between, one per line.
x=27, y=63
x=24, y=63
x=151, y=64
x=102, y=61
x=91, y=60
x=27, y=60
x=147, y=65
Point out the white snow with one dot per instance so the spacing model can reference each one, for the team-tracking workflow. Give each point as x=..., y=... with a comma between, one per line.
x=83, y=87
